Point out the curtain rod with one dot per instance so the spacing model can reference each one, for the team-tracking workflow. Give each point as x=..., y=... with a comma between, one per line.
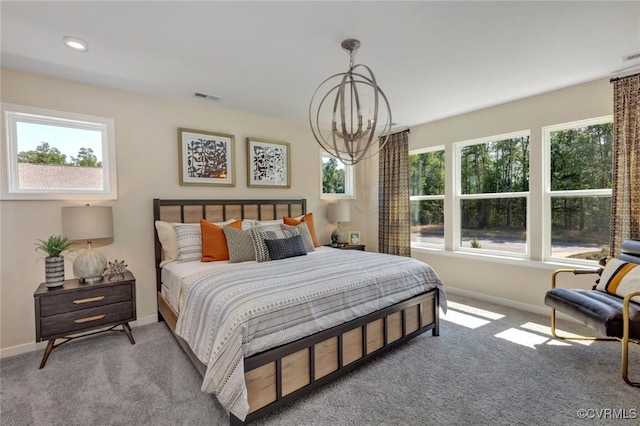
x=401, y=129
x=626, y=76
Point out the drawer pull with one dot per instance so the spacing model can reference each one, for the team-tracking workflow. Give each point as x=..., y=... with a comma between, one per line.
x=89, y=319
x=88, y=300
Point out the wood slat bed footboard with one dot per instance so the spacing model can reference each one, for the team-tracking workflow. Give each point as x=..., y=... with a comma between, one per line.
x=280, y=375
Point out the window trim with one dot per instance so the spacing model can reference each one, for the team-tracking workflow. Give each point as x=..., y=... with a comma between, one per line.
x=547, y=254
x=458, y=196
x=13, y=113
x=349, y=180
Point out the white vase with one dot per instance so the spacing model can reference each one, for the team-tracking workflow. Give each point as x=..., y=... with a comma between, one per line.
x=54, y=271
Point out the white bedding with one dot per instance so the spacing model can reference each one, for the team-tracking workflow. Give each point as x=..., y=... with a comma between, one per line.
x=236, y=310
x=174, y=273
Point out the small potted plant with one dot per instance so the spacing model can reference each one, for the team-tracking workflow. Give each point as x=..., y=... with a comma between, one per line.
x=54, y=262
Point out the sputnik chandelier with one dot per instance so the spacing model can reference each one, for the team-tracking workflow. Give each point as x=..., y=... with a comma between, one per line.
x=346, y=98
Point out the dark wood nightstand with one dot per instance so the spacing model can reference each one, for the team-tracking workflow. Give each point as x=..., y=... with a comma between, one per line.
x=77, y=307
x=348, y=246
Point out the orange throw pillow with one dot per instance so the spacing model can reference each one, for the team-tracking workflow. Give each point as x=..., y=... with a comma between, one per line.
x=308, y=219
x=214, y=243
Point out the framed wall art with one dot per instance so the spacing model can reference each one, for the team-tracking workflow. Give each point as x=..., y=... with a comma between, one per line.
x=268, y=164
x=206, y=158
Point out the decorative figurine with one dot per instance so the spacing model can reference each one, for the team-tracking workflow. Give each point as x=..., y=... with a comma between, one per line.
x=116, y=269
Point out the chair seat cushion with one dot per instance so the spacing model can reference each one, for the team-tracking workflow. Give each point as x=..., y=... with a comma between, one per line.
x=599, y=310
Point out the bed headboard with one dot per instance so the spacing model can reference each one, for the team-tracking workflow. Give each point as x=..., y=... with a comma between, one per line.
x=191, y=211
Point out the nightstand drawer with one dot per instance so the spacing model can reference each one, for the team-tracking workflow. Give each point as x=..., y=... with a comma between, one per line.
x=87, y=298
x=69, y=322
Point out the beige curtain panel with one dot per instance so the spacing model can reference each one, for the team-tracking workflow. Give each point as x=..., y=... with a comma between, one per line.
x=625, y=196
x=394, y=233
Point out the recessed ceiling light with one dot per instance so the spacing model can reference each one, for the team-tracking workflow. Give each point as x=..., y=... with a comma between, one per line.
x=75, y=43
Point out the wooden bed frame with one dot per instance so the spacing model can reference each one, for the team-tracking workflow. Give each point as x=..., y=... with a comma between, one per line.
x=277, y=376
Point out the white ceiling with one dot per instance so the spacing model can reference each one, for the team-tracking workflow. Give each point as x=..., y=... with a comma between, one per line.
x=432, y=59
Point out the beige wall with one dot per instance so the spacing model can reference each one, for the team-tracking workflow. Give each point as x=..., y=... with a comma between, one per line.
x=147, y=168
x=146, y=146
x=517, y=282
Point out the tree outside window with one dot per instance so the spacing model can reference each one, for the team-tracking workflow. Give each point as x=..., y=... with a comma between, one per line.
x=337, y=179
x=579, y=182
x=426, y=194
x=57, y=155
x=494, y=193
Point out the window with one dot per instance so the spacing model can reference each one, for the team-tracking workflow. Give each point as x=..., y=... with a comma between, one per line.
x=336, y=179
x=426, y=194
x=493, y=194
x=578, y=188
x=57, y=155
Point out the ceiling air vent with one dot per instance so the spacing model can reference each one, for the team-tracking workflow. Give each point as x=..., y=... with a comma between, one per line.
x=210, y=97
x=631, y=57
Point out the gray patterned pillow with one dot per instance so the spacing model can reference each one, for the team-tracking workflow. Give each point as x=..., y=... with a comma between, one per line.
x=188, y=241
x=239, y=244
x=284, y=248
x=258, y=237
x=303, y=230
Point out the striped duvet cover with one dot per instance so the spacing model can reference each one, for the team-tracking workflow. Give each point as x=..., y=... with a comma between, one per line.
x=233, y=312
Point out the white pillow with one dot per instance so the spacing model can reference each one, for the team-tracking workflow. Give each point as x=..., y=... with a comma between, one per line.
x=268, y=225
x=167, y=238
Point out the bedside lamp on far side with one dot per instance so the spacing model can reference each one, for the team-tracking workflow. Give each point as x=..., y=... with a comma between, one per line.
x=88, y=223
x=339, y=212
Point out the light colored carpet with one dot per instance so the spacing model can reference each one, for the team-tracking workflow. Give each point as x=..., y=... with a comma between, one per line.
x=491, y=365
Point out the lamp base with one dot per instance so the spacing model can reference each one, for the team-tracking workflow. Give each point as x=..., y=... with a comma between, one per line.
x=338, y=235
x=89, y=266
x=91, y=280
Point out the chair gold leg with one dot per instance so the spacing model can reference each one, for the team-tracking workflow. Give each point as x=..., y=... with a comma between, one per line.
x=557, y=336
x=625, y=340
x=625, y=364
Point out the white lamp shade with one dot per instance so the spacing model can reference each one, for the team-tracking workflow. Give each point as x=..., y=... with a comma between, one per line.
x=339, y=212
x=87, y=222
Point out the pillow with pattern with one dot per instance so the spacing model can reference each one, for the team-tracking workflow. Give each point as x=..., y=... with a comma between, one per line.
x=284, y=248
x=239, y=244
x=258, y=237
x=303, y=230
x=308, y=219
x=188, y=241
x=620, y=278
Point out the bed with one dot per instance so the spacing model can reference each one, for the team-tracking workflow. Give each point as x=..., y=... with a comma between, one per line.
x=328, y=327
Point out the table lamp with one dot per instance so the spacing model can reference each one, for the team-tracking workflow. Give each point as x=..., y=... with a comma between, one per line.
x=337, y=213
x=88, y=223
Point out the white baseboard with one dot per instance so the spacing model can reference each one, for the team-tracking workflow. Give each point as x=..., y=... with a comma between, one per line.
x=507, y=302
x=36, y=346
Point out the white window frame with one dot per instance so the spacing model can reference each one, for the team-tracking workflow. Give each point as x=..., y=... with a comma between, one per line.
x=349, y=180
x=429, y=197
x=458, y=197
x=12, y=114
x=548, y=194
